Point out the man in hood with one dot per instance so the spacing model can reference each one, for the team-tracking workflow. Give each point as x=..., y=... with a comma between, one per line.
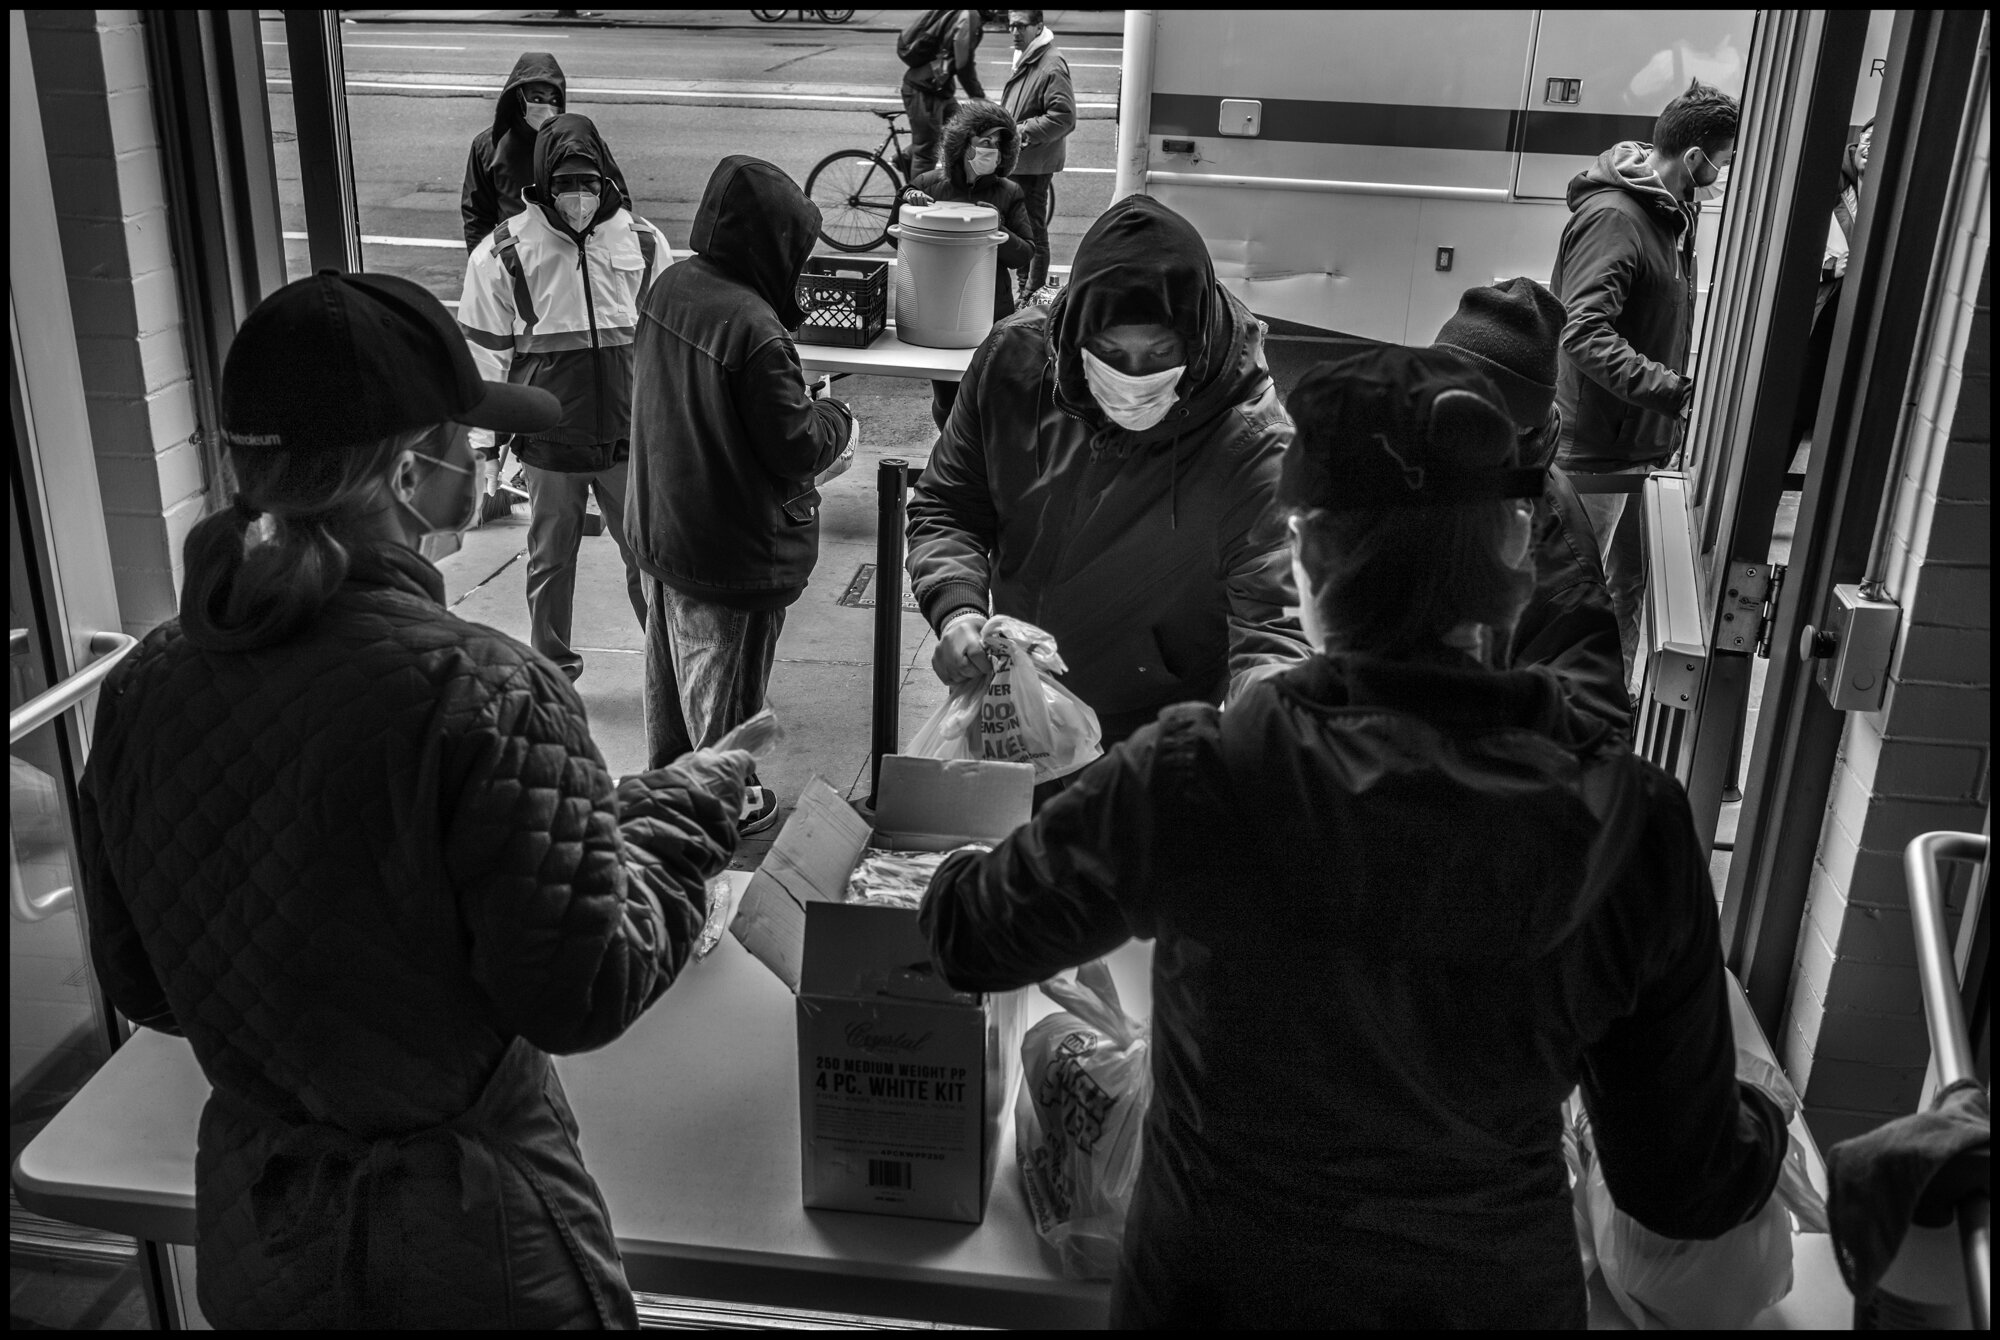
x=723, y=512
x=502, y=161
x=1625, y=273
x=1403, y=901
x=1108, y=474
x=551, y=299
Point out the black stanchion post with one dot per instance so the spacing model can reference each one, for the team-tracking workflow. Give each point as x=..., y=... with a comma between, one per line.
x=892, y=490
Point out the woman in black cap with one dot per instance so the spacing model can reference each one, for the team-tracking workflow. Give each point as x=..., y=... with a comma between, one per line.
x=365, y=856
x=1404, y=902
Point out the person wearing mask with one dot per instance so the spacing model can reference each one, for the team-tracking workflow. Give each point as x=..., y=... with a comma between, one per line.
x=939, y=50
x=979, y=151
x=1040, y=98
x=1107, y=474
x=1625, y=274
x=1509, y=334
x=551, y=300
x=501, y=164
x=364, y=855
x=726, y=444
x=1404, y=902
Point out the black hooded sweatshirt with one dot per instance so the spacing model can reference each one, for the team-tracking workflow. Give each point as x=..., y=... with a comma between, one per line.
x=725, y=439
x=1157, y=559
x=948, y=181
x=501, y=165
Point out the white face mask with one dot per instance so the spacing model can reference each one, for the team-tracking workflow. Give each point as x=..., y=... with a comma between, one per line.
x=460, y=496
x=1133, y=403
x=578, y=208
x=537, y=114
x=982, y=162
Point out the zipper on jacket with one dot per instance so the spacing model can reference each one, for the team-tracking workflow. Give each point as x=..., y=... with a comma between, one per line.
x=590, y=316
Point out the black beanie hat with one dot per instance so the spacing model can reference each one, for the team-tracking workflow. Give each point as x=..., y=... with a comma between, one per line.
x=1510, y=332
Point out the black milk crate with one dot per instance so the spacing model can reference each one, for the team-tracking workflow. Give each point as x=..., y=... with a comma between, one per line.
x=846, y=302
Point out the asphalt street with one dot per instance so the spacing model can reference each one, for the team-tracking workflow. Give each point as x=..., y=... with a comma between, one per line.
x=670, y=102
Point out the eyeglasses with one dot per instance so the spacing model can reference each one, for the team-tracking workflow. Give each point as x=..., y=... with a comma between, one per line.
x=1016, y=27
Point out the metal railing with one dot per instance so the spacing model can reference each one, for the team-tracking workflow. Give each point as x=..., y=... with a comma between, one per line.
x=1951, y=1040
x=893, y=477
x=31, y=716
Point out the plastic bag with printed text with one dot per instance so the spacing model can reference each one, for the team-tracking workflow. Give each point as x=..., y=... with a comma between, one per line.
x=1086, y=1081
x=1017, y=714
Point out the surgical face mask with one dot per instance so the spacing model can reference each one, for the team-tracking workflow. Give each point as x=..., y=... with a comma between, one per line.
x=1133, y=403
x=578, y=208
x=457, y=499
x=1718, y=181
x=537, y=114
x=982, y=162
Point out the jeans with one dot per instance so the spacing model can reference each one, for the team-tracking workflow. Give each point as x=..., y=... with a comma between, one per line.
x=556, y=503
x=1036, y=187
x=707, y=666
x=928, y=112
x=1616, y=528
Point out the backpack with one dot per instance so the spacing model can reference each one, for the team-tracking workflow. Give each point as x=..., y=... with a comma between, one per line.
x=923, y=40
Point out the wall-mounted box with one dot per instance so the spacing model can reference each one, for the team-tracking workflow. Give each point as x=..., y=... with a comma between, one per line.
x=1241, y=116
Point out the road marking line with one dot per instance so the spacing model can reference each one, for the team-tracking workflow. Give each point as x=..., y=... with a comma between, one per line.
x=696, y=97
x=1074, y=65
x=392, y=46
x=374, y=240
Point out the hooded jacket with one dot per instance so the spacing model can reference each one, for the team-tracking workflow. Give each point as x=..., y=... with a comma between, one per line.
x=548, y=305
x=1156, y=559
x=1040, y=97
x=1625, y=272
x=375, y=873
x=1443, y=901
x=726, y=439
x=501, y=164
x=948, y=181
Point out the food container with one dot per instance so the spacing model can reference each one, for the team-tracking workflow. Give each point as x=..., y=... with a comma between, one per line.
x=947, y=255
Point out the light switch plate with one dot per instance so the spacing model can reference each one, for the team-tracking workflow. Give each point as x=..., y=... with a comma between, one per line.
x=1241, y=116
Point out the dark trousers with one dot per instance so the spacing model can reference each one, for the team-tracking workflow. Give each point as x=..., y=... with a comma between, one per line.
x=557, y=501
x=707, y=667
x=1036, y=188
x=928, y=110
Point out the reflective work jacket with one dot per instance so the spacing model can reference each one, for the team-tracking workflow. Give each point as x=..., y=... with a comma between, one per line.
x=536, y=313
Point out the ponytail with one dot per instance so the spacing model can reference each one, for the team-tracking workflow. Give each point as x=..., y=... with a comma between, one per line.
x=263, y=568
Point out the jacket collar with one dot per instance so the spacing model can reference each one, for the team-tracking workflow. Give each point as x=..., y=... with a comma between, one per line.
x=397, y=567
x=1024, y=59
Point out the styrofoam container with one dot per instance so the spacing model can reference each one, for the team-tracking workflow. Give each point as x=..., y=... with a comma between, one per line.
x=945, y=280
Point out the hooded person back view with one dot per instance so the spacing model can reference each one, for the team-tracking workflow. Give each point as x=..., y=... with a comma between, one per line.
x=501, y=164
x=723, y=512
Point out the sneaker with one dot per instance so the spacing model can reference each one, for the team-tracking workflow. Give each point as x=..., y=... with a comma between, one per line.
x=760, y=810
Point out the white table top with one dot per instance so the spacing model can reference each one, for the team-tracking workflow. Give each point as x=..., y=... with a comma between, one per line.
x=690, y=1124
x=888, y=357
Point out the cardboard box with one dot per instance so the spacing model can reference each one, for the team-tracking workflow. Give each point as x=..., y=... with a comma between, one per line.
x=903, y=1082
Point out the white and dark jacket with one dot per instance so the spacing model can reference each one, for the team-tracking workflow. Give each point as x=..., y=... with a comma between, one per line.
x=547, y=306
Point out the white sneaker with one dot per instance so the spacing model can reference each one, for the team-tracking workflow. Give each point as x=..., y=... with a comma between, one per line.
x=760, y=810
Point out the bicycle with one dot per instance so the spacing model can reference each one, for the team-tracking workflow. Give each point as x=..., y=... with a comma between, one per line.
x=859, y=192
x=823, y=15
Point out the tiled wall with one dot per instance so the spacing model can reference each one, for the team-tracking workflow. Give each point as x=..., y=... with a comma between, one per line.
x=1855, y=1040
x=105, y=166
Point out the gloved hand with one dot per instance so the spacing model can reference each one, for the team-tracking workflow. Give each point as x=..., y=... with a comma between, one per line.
x=960, y=654
x=721, y=773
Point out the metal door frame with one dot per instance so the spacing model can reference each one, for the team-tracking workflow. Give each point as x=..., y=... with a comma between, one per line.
x=1902, y=230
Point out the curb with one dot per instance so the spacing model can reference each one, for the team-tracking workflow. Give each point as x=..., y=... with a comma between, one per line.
x=527, y=22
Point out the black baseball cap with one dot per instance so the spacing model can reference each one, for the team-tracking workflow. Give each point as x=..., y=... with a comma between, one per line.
x=1400, y=427
x=337, y=360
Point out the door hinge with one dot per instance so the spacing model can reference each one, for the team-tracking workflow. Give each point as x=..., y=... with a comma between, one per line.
x=1750, y=608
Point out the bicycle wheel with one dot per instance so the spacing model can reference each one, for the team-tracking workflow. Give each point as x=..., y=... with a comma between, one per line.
x=857, y=194
x=770, y=15
x=836, y=15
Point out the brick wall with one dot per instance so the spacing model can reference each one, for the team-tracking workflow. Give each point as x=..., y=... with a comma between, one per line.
x=104, y=163
x=1854, y=1039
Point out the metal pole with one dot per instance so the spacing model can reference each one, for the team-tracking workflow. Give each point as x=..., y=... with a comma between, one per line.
x=1135, y=104
x=892, y=489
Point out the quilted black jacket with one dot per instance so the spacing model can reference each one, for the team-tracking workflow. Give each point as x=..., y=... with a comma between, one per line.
x=376, y=873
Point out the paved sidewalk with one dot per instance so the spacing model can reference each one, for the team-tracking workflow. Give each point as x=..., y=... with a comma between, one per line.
x=822, y=683
x=1068, y=23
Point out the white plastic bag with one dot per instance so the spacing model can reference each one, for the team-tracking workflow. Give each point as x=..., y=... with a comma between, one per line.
x=1722, y=1283
x=1086, y=1081
x=1017, y=714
